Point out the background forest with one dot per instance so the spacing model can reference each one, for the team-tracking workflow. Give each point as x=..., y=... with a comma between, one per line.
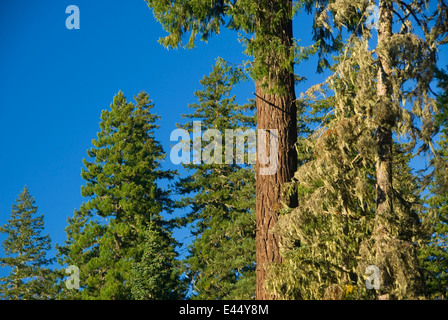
x=94, y=207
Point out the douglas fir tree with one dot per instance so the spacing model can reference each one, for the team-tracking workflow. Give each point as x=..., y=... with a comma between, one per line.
x=267, y=31
x=221, y=195
x=112, y=236
x=26, y=250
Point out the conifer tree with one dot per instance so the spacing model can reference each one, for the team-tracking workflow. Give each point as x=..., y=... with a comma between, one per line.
x=434, y=255
x=26, y=251
x=266, y=29
x=107, y=237
x=340, y=225
x=155, y=276
x=220, y=195
x=402, y=56
x=321, y=237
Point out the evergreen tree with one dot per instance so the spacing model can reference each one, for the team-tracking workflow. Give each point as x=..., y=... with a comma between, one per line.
x=220, y=196
x=26, y=251
x=358, y=200
x=321, y=237
x=434, y=256
x=266, y=29
x=402, y=56
x=107, y=237
x=155, y=276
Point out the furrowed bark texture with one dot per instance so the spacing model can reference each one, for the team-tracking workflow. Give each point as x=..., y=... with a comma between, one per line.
x=274, y=112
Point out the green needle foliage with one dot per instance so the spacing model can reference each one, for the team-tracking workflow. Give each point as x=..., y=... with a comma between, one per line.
x=336, y=231
x=435, y=255
x=220, y=197
x=266, y=30
x=26, y=250
x=261, y=26
x=156, y=275
x=110, y=238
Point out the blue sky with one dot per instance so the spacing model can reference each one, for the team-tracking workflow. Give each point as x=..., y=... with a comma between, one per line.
x=54, y=82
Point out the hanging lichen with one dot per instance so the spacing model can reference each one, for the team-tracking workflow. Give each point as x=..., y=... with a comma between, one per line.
x=335, y=233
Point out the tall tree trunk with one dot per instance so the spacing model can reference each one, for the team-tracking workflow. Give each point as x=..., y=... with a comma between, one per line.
x=384, y=188
x=384, y=191
x=394, y=255
x=274, y=111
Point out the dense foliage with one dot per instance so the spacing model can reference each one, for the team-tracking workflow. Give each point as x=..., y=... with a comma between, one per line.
x=26, y=253
x=221, y=203
x=109, y=237
x=357, y=199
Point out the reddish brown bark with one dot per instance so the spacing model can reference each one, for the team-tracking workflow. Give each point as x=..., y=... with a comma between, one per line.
x=274, y=112
x=268, y=187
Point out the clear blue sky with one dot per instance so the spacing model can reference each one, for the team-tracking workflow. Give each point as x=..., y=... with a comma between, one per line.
x=54, y=82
